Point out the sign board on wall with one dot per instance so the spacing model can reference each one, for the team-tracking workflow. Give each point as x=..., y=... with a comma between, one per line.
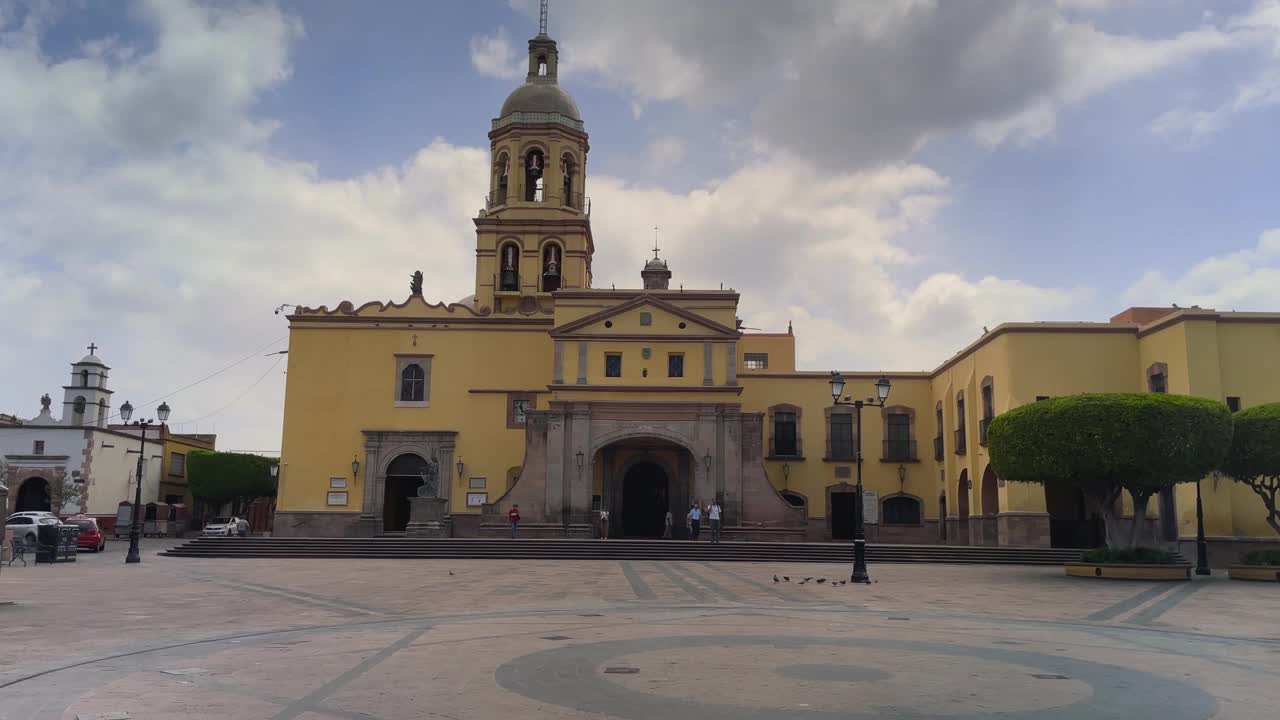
x=870, y=507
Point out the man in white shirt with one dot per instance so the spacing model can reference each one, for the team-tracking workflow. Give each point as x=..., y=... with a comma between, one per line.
x=695, y=521
x=713, y=513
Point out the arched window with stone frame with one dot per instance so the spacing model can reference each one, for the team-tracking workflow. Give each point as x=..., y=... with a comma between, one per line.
x=1158, y=378
x=552, y=263
x=412, y=383
x=901, y=509
x=77, y=410
x=840, y=433
x=784, y=431
x=899, y=422
x=102, y=413
x=509, y=266
x=501, y=179
x=84, y=378
x=535, y=164
x=569, y=169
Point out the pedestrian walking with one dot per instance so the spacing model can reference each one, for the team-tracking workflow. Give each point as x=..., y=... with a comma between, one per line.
x=604, y=524
x=695, y=521
x=242, y=527
x=713, y=513
x=666, y=527
x=513, y=516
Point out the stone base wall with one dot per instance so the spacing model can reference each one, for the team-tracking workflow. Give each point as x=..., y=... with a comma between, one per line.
x=1224, y=551
x=925, y=534
x=316, y=524
x=466, y=524
x=758, y=534
x=984, y=530
x=536, y=530
x=1023, y=529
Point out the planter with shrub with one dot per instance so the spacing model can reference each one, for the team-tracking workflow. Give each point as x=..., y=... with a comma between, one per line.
x=1258, y=565
x=1140, y=563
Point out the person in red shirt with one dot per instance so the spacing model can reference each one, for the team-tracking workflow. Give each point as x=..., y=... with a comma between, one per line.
x=514, y=516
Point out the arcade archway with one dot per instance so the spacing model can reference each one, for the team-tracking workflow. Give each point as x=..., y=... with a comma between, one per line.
x=646, y=498
x=404, y=475
x=33, y=495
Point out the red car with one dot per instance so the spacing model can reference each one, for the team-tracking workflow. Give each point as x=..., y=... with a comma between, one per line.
x=91, y=537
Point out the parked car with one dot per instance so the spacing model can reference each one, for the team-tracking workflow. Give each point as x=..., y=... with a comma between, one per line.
x=24, y=524
x=91, y=537
x=220, y=527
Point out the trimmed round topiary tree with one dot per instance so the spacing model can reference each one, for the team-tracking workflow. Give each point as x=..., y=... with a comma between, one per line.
x=1105, y=444
x=1254, y=458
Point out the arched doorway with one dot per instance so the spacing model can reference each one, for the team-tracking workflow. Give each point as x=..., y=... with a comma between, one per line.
x=645, y=500
x=33, y=495
x=990, y=507
x=1074, y=521
x=962, y=507
x=404, y=475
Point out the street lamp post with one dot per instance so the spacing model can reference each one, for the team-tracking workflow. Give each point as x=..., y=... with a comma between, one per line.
x=162, y=415
x=859, y=532
x=1202, y=549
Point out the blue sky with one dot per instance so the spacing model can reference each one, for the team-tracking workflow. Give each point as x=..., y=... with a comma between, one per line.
x=888, y=176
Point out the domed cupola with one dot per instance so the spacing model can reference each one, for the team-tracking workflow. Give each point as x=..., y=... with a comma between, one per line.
x=540, y=100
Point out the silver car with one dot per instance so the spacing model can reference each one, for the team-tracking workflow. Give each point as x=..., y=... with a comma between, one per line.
x=220, y=527
x=24, y=524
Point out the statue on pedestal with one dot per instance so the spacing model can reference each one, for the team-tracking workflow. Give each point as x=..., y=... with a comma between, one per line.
x=415, y=282
x=430, y=478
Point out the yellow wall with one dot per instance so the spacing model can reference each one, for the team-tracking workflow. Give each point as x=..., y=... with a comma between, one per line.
x=342, y=380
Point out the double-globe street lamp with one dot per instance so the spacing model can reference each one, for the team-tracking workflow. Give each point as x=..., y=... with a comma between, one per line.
x=162, y=415
x=859, y=533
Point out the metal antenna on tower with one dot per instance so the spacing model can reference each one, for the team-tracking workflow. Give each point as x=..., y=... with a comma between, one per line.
x=542, y=19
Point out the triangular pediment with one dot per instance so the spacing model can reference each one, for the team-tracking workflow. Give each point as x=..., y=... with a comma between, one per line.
x=665, y=319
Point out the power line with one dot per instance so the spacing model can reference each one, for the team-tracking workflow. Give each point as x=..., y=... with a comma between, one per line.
x=236, y=398
x=207, y=377
x=210, y=376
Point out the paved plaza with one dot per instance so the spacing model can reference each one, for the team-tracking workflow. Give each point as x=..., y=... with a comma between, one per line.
x=460, y=640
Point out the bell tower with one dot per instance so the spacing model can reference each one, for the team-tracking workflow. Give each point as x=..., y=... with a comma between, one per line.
x=533, y=236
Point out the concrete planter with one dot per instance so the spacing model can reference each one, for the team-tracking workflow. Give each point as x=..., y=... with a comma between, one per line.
x=1128, y=571
x=1258, y=573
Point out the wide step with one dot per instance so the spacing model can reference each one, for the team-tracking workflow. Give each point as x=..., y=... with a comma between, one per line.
x=588, y=549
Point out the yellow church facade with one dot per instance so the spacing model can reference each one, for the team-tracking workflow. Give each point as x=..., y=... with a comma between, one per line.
x=544, y=392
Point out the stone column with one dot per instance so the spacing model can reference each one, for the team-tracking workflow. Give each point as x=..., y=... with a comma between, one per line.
x=578, y=480
x=706, y=363
x=553, y=493
x=731, y=364
x=371, y=508
x=582, y=362
x=557, y=366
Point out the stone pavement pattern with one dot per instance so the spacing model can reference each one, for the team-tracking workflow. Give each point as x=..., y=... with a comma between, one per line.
x=384, y=639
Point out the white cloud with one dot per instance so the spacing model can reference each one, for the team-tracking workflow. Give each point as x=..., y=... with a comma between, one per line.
x=1258, y=29
x=664, y=154
x=1247, y=280
x=857, y=84
x=495, y=56
x=170, y=247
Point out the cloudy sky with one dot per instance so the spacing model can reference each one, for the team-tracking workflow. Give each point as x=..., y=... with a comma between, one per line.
x=889, y=176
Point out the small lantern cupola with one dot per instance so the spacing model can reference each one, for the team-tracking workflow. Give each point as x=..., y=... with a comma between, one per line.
x=656, y=274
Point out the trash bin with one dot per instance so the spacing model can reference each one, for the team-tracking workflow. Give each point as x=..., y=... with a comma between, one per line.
x=56, y=543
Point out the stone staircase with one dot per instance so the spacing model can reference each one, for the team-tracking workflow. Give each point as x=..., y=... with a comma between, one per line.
x=575, y=549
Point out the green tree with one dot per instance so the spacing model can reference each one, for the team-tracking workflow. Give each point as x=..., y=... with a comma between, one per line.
x=1106, y=444
x=238, y=478
x=1255, y=455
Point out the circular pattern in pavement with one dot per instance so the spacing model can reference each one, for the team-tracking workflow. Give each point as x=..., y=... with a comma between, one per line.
x=832, y=673
x=700, y=677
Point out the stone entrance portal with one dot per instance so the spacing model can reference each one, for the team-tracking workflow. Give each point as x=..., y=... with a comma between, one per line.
x=645, y=500
x=396, y=463
x=640, y=459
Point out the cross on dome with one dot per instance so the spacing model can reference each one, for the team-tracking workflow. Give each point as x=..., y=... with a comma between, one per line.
x=92, y=348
